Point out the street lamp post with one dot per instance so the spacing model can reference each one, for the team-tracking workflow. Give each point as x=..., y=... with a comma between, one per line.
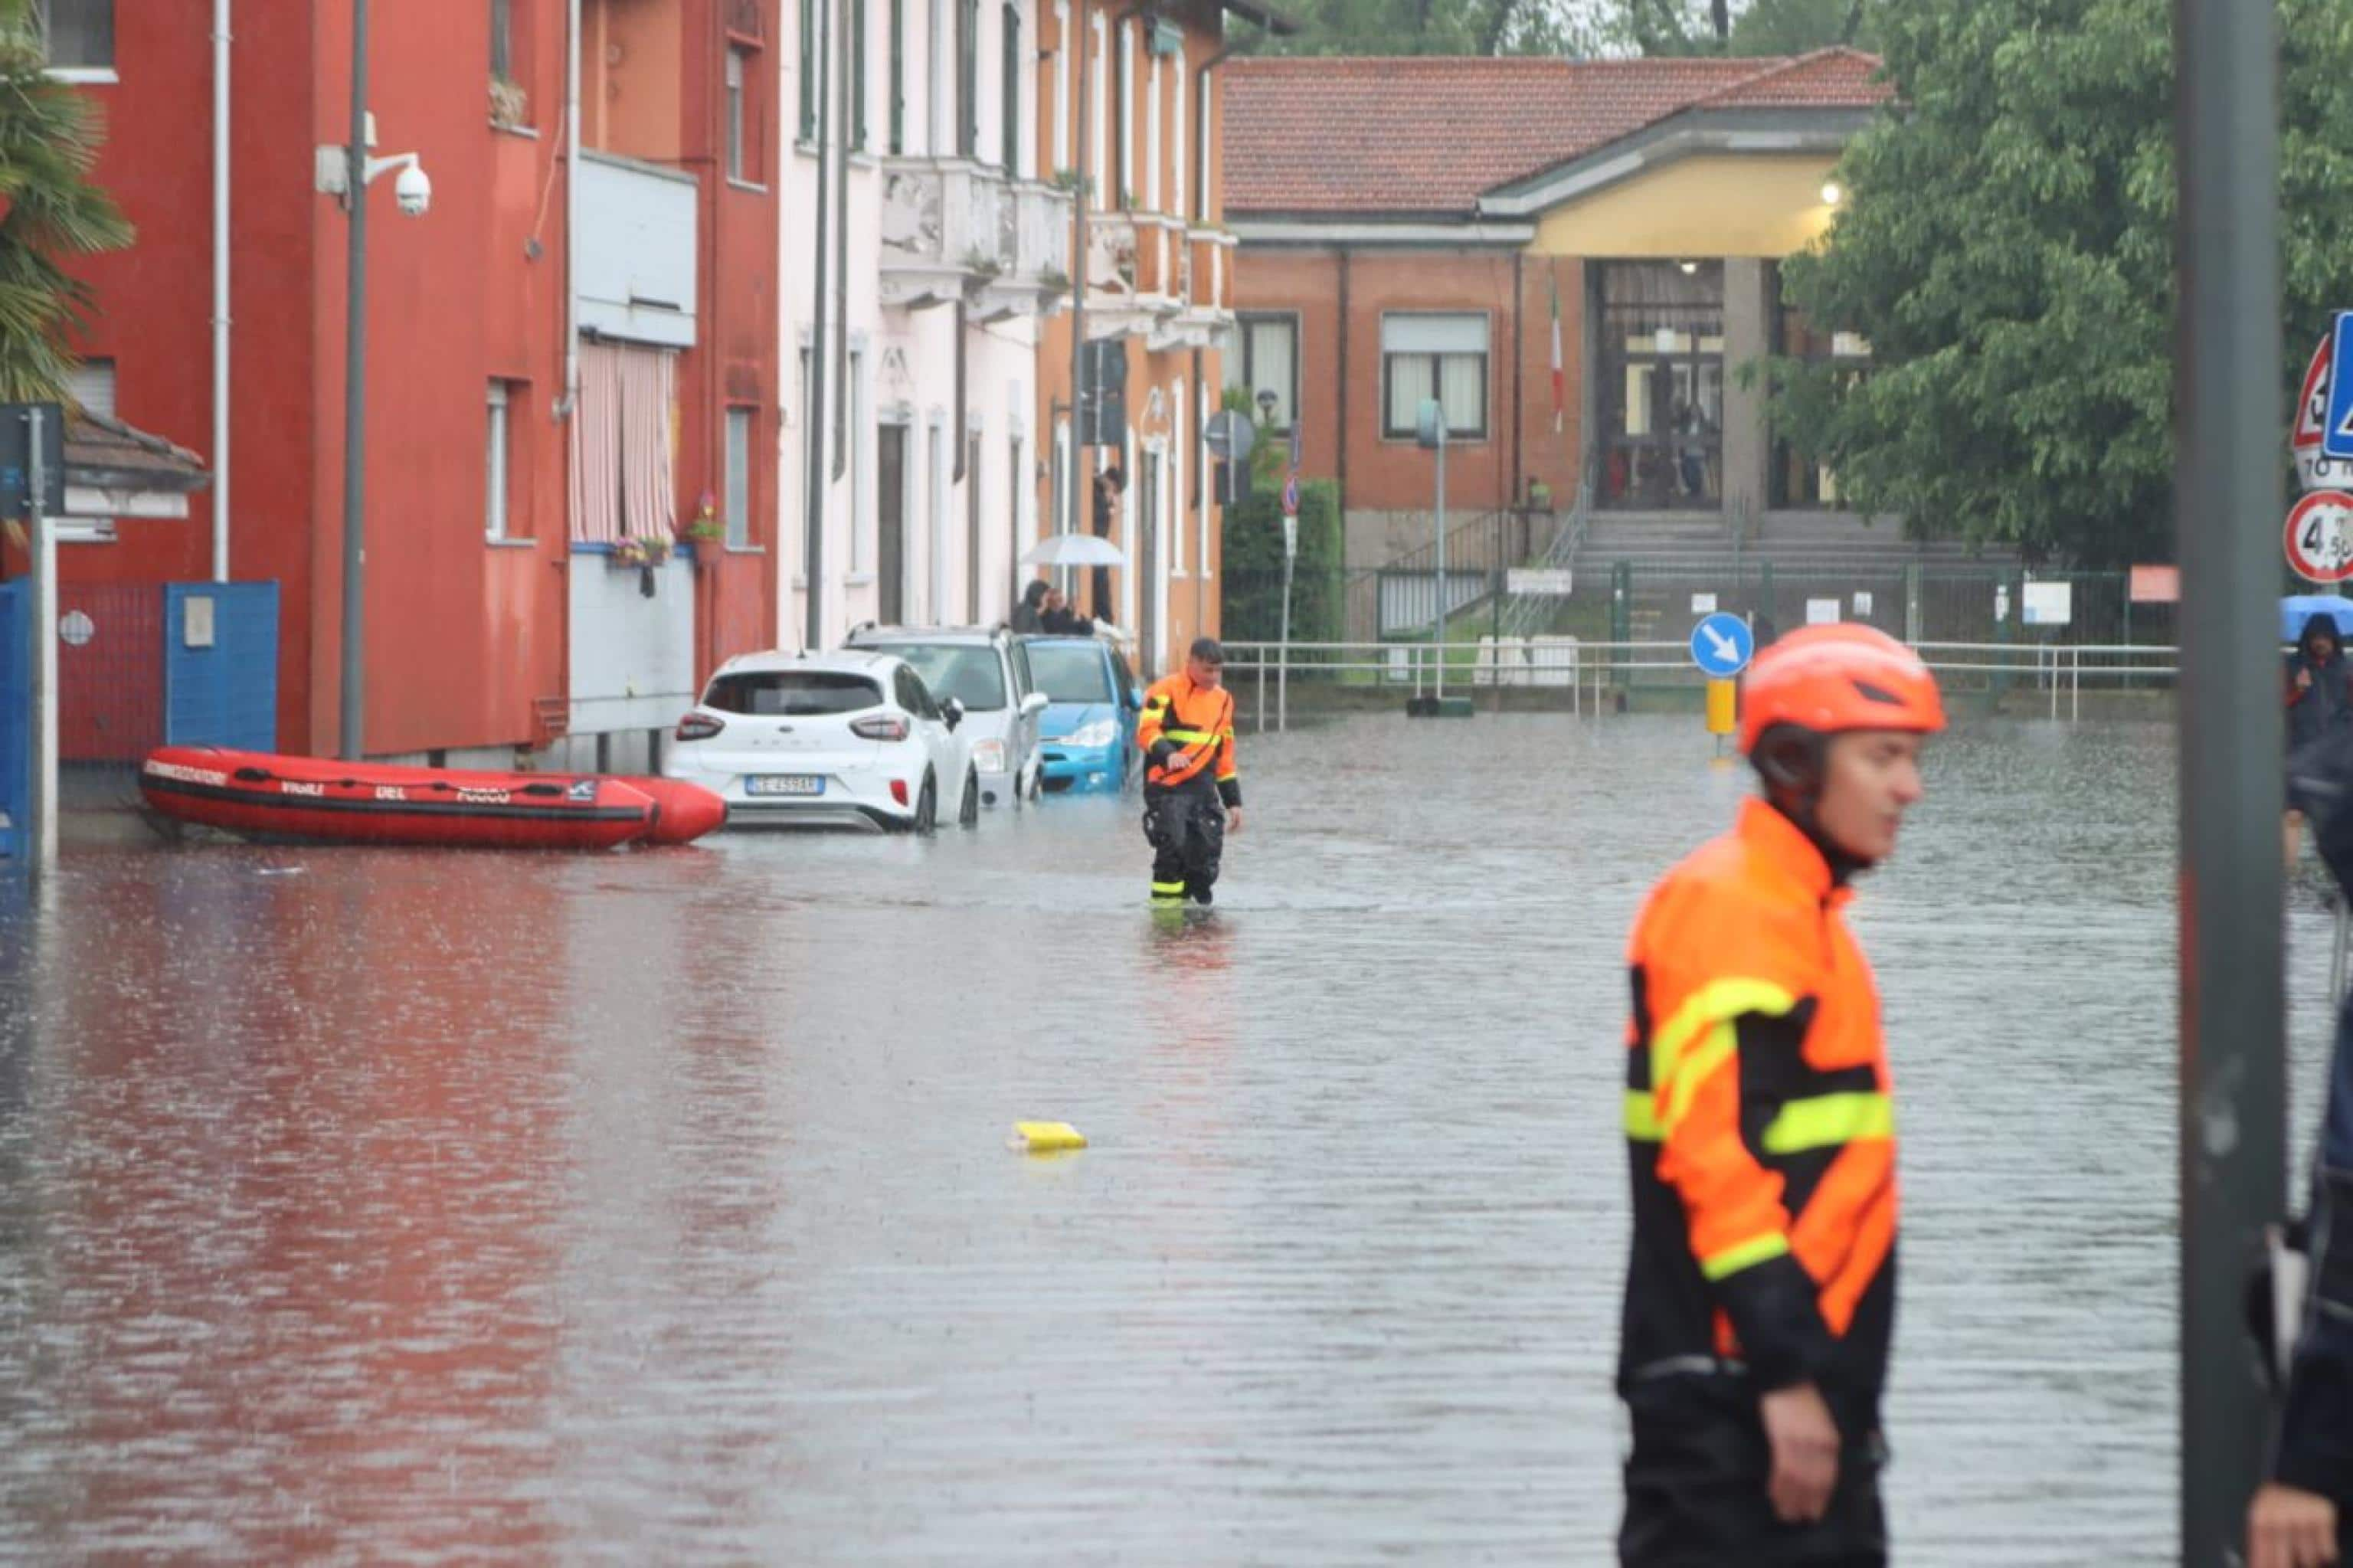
x=347, y=170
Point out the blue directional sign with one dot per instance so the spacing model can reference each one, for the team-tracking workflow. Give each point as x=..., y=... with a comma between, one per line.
x=1722, y=645
x=2337, y=431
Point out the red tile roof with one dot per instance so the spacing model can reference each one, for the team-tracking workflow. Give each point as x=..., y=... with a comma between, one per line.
x=1429, y=134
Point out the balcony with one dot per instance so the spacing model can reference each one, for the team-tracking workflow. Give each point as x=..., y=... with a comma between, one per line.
x=1204, y=287
x=1133, y=259
x=1036, y=248
x=635, y=269
x=954, y=230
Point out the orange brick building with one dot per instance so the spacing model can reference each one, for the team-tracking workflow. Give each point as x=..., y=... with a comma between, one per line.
x=1421, y=255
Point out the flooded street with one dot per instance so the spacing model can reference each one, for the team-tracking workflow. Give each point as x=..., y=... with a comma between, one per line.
x=385, y=1206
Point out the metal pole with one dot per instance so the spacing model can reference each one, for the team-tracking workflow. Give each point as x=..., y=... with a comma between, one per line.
x=1441, y=638
x=813, y=416
x=1282, y=682
x=355, y=688
x=45, y=655
x=1082, y=109
x=2227, y=490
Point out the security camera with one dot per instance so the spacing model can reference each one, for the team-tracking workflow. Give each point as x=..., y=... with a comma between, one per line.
x=414, y=191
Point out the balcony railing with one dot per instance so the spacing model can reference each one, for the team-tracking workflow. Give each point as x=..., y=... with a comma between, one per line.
x=953, y=229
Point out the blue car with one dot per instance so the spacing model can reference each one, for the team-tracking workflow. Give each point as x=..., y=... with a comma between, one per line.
x=1087, y=738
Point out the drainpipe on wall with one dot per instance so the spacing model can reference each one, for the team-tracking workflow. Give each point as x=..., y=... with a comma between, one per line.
x=1081, y=109
x=565, y=404
x=220, y=289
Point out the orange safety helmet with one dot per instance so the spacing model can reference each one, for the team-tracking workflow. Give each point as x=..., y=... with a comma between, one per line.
x=1839, y=677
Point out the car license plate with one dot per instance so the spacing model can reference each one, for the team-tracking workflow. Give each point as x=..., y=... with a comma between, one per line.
x=785, y=784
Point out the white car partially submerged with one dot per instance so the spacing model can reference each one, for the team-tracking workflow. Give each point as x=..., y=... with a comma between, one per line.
x=816, y=737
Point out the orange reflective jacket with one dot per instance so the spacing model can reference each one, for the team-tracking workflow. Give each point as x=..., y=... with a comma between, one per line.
x=1197, y=724
x=1760, y=1128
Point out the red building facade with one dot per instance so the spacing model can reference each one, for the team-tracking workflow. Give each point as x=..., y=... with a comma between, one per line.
x=474, y=610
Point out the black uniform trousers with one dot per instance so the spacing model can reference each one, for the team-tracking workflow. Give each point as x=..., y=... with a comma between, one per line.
x=1186, y=829
x=1696, y=1489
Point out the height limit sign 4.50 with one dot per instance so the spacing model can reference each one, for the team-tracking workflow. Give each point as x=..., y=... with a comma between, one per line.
x=2320, y=536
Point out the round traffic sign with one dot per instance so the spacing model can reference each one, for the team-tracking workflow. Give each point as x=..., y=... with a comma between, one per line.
x=2320, y=536
x=1722, y=645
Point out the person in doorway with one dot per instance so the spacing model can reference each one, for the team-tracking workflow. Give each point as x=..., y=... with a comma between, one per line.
x=1029, y=616
x=1109, y=484
x=1061, y=620
x=1760, y=1296
x=1691, y=428
x=1192, y=789
x=2319, y=690
x=2302, y=1517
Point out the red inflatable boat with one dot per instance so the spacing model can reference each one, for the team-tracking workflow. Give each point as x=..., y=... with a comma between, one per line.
x=370, y=803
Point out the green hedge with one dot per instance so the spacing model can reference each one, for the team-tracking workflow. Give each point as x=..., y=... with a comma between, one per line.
x=1251, y=572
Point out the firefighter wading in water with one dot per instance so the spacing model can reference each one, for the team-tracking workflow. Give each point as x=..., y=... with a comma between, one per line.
x=1761, y=1295
x=1192, y=792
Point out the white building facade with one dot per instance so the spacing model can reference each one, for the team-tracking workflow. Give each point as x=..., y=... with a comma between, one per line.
x=954, y=248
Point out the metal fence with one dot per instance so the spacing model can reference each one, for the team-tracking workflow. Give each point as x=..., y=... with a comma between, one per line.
x=147, y=664
x=1635, y=599
x=1591, y=676
x=15, y=718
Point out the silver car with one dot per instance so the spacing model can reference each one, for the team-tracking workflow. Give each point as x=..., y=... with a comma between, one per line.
x=986, y=671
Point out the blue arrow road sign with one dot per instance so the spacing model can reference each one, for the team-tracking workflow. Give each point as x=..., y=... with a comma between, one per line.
x=2337, y=433
x=1721, y=645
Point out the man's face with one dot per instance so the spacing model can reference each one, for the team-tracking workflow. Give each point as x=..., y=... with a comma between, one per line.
x=1868, y=778
x=1053, y=598
x=2323, y=646
x=1203, y=674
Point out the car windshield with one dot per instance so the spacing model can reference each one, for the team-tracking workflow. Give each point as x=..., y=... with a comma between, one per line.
x=964, y=673
x=1071, y=672
x=786, y=693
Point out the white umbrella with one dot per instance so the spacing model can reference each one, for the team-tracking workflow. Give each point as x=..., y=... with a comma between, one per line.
x=1075, y=550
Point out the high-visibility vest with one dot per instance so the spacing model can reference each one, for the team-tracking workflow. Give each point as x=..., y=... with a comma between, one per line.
x=1199, y=722
x=1759, y=1128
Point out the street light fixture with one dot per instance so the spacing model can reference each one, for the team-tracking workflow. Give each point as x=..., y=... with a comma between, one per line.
x=1266, y=401
x=346, y=172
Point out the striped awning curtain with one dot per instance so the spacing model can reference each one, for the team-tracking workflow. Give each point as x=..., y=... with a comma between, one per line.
x=622, y=480
x=596, y=447
x=649, y=379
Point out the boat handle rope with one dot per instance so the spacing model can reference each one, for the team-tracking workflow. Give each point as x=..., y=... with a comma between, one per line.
x=263, y=775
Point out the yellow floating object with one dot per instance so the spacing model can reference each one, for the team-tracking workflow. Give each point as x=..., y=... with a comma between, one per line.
x=1045, y=1136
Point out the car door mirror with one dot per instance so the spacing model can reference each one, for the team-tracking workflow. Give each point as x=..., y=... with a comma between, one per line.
x=951, y=714
x=1135, y=697
x=1033, y=704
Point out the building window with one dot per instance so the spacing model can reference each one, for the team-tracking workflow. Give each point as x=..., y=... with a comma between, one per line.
x=743, y=118
x=1010, y=96
x=862, y=513
x=968, y=80
x=1431, y=355
x=857, y=74
x=495, y=466
x=90, y=386
x=1267, y=360
x=77, y=34
x=739, y=479
x=1661, y=393
x=1798, y=482
x=898, y=58
x=808, y=70
x=1123, y=160
x=502, y=39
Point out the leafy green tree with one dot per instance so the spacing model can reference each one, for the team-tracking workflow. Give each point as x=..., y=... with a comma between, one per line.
x=2006, y=249
x=49, y=137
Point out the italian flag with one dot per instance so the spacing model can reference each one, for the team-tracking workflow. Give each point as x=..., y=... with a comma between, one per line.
x=1560, y=376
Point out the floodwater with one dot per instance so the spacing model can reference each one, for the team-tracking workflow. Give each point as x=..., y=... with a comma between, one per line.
x=379, y=1207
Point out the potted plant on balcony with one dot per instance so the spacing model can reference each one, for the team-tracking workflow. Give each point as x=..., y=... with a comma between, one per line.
x=1074, y=182
x=707, y=527
x=509, y=103
x=646, y=555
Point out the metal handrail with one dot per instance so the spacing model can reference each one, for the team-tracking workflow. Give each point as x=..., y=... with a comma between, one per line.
x=2059, y=667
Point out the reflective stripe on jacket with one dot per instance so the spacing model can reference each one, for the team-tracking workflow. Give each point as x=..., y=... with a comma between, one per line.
x=1198, y=724
x=1759, y=1128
